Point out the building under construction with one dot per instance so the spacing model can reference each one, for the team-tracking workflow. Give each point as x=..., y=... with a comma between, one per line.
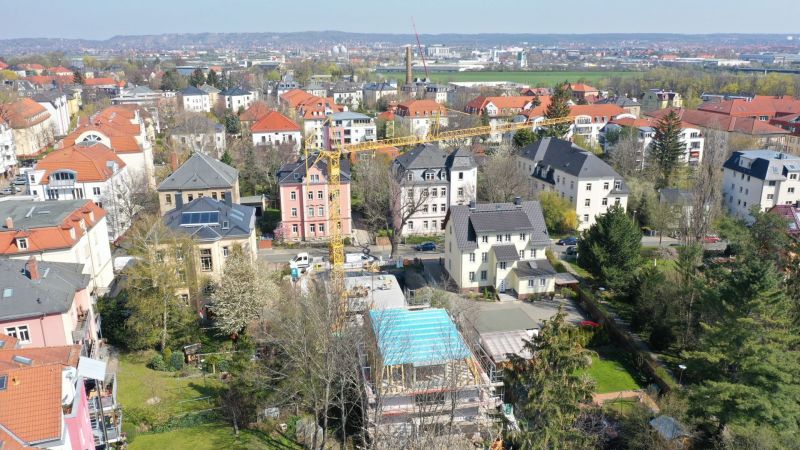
x=420, y=377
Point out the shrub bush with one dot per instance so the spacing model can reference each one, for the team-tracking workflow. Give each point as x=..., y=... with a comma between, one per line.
x=661, y=337
x=567, y=292
x=157, y=363
x=176, y=362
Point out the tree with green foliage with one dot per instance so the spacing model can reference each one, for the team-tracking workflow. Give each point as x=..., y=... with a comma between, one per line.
x=548, y=391
x=746, y=362
x=610, y=249
x=667, y=150
x=232, y=123
x=558, y=108
x=213, y=79
x=524, y=137
x=227, y=158
x=172, y=81
x=559, y=215
x=77, y=77
x=197, y=78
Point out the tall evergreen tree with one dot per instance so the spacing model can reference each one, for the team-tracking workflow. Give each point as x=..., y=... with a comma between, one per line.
x=77, y=77
x=197, y=78
x=213, y=78
x=667, y=150
x=548, y=390
x=558, y=108
x=227, y=158
x=171, y=81
x=524, y=137
x=610, y=249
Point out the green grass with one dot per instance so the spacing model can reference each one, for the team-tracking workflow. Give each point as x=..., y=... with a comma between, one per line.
x=613, y=371
x=138, y=383
x=210, y=437
x=544, y=78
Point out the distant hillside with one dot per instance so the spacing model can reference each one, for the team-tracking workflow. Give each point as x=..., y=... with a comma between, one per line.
x=315, y=39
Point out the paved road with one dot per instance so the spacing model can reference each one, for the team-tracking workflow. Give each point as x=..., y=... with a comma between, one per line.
x=283, y=255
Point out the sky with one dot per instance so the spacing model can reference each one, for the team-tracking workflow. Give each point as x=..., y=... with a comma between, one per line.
x=101, y=19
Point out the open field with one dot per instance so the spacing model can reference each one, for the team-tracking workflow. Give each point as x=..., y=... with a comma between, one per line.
x=548, y=78
x=210, y=437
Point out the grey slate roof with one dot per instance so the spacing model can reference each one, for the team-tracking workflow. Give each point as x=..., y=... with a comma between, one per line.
x=567, y=157
x=200, y=172
x=505, y=252
x=423, y=156
x=230, y=92
x=191, y=90
x=53, y=293
x=766, y=164
x=534, y=268
x=496, y=217
x=27, y=214
x=208, y=89
x=287, y=171
x=241, y=220
x=461, y=159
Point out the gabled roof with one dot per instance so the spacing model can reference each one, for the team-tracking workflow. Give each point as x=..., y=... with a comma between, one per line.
x=423, y=156
x=192, y=91
x=200, y=172
x=764, y=164
x=91, y=161
x=99, y=81
x=274, y=121
x=707, y=119
x=496, y=218
x=240, y=220
x=552, y=153
x=506, y=252
x=25, y=113
x=534, y=268
x=296, y=96
x=234, y=91
x=582, y=87
x=500, y=102
x=48, y=225
x=413, y=108
x=287, y=172
x=208, y=89
x=255, y=112
x=596, y=110
x=65, y=355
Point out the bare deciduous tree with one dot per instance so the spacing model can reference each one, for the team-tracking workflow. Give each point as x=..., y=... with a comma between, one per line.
x=627, y=156
x=501, y=178
x=707, y=190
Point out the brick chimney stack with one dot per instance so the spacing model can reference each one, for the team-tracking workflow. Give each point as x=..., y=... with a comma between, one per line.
x=32, y=267
x=173, y=161
x=9, y=223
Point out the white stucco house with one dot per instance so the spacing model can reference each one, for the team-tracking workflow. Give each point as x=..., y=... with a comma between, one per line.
x=759, y=178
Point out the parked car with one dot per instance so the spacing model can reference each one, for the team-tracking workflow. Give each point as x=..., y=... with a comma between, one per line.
x=20, y=181
x=425, y=247
x=711, y=239
x=571, y=251
x=7, y=191
x=572, y=240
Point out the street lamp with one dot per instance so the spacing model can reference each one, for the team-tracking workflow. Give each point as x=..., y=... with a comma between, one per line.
x=680, y=377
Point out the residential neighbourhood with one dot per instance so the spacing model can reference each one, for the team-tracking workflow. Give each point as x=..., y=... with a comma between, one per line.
x=451, y=235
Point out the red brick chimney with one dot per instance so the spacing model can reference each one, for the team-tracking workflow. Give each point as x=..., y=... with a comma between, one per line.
x=9, y=223
x=173, y=161
x=32, y=267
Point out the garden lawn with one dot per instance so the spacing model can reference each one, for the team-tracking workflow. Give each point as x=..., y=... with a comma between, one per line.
x=137, y=383
x=612, y=373
x=545, y=78
x=210, y=437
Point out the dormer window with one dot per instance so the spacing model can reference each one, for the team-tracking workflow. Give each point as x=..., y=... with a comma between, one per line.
x=22, y=244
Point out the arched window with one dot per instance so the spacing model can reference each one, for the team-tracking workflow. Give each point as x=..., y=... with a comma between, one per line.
x=92, y=138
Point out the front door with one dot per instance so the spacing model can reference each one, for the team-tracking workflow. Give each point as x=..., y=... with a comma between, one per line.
x=502, y=287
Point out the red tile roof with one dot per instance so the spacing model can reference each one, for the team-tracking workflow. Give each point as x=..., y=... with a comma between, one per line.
x=745, y=125
x=255, y=112
x=509, y=102
x=65, y=355
x=581, y=87
x=99, y=81
x=58, y=70
x=274, y=122
x=117, y=123
x=759, y=106
x=8, y=341
x=295, y=97
x=386, y=115
x=25, y=113
x=88, y=160
x=603, y=110
x=52, y=237
x=416, y=108
x=30, y=406
x=3, y=65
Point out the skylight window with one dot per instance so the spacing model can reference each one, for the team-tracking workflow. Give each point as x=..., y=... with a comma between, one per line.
x=22, y=360
x=3, y=382
x=8, y=292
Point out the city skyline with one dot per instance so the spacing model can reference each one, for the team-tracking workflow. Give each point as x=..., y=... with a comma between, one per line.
x=625, y=16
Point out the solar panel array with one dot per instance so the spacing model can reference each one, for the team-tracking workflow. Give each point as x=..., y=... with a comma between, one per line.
x=199, y=218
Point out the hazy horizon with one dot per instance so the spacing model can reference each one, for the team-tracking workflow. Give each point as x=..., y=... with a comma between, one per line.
x=92, y=19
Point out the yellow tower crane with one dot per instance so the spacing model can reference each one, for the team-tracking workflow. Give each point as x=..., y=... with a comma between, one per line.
x=337, y=149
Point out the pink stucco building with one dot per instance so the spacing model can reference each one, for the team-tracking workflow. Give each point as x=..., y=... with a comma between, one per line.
x=305, y=201
x=47, y=304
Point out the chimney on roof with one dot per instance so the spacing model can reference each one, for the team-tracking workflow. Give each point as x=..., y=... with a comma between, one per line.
x=9, y=223
x=472, y=205
x=32, y=269
x=518, y=202
x=173, y=161
x=409, y=76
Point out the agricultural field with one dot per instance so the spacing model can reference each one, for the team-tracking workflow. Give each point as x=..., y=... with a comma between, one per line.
x=544, y=78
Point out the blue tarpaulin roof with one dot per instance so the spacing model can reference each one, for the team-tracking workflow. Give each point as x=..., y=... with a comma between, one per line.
x=423, y=337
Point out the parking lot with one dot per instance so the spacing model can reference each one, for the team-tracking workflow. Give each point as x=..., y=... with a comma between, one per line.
x=14, y=186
